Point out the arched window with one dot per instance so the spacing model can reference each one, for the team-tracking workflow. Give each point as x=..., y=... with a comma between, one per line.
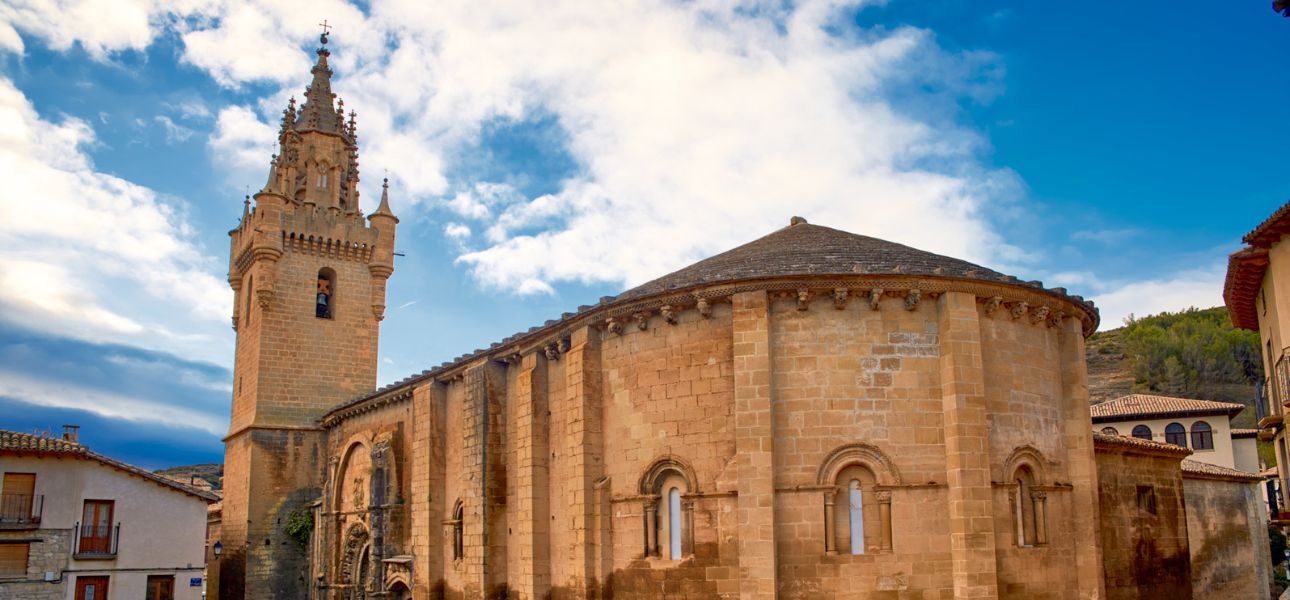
x=458, y=548
x=1110, y=431
x=674, y=522
x=1176, y=434
x=857, y=500
x=855, y=516
x=1202, y=436
x=324, y=301
x=1142, y=432
x=669, y=513
x=1023, y=507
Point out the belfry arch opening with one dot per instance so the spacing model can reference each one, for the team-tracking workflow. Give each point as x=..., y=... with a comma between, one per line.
x=325, y=298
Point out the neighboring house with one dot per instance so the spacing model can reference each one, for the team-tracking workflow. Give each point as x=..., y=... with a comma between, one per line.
x=1204, y=426
x=77, y=525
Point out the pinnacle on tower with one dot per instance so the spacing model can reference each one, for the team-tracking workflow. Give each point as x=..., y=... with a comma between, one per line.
x=383, y=210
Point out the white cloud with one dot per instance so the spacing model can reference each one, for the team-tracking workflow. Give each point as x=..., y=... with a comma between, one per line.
x=703, y=124
x=1200, y=288
x=92, y=256
x=456, y=231
x=175, y=133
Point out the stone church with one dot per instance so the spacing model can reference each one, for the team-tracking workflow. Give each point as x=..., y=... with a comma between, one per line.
x=814, y=414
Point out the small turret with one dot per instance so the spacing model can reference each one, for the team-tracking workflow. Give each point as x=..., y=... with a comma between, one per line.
x=382, y=263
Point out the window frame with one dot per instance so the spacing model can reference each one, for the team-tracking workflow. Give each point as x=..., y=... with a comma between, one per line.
x=326, y=309
x=154, y=592
x=1202, y=440
x=1140, y=428
x=1176, y=434
x=85, y=526
x=26, y=561
x=1108, y=430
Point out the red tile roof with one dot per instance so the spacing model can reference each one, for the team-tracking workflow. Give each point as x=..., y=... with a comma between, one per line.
x=1104, y=442
x=1245, y=433
x=13, y=442
x=1271, y=229
x=1194, y=469
x=1140, y=406
x=1245, y=271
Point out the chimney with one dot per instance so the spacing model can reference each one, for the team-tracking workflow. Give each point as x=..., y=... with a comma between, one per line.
x=70, y=433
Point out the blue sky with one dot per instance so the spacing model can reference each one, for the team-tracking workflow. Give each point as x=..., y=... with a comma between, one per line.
x=543, y=156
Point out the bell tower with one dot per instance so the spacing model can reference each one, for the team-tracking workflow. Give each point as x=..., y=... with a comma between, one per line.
x=308, y=272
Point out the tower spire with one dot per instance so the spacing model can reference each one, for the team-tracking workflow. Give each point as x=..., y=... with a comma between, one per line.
x=383, y=210
x=319, y=110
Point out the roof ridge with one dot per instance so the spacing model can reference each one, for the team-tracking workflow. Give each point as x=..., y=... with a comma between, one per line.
x=46, y=444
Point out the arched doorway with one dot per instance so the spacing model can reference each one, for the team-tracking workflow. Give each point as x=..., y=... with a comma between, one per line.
x=400, y=591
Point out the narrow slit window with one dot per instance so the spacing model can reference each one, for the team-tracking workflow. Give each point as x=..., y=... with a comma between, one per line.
x=855, y=501
x=674, y=522
x=325, y=299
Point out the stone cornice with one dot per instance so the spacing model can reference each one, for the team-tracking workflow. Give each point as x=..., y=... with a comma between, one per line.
x=611, y=315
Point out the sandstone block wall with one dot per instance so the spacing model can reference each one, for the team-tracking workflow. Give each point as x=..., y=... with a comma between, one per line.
x=755, y=404
x=49, y=551
x=1143, y=524
x=1227, y=539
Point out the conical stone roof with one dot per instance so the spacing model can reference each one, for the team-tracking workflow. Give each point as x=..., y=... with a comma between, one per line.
x=804, y=249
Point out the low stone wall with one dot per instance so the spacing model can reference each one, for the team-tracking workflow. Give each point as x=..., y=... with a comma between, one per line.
x=1226, y=532
x=1143, y=519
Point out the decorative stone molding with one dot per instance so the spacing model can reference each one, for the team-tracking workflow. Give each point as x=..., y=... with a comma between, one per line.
x=378, y=311
x=705, y=309
x=642, y=320
x=993, y=304
x=859, y=453
x=875, y=298
x=1038, y=495
x=614, y=325
x=1019, y=309
x=668, y=315
x=883, y=496
x=911, y=299
x=1039, y=315
x=264, y=297
x=839, y=298
x=803, y=298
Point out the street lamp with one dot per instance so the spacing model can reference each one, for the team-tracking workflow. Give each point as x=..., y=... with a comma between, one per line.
x=217, y=548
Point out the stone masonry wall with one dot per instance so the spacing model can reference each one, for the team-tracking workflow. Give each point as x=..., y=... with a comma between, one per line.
x=1144, y=527
x=1225, y=534
x=48, y=552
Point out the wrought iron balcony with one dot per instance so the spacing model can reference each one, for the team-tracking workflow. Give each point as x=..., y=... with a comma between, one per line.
x=96, y=542
x=21, y=511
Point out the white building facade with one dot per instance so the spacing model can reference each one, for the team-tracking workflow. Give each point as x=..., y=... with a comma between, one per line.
x=76, y=525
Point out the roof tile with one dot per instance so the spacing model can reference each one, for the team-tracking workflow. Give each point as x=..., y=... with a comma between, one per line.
x=1146, y=405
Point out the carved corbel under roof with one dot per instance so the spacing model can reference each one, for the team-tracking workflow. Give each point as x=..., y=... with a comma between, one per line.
x=875, y=298
x=840, y=298
x=614, y=325
x=803, y=298
x=993, y=304
x=912, y=298
x=642, y=319
x=705, y=309
x=1039, y=314
x=668, y=315
x=1019, y=309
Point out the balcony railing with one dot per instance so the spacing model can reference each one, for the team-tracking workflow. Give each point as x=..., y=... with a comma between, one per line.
x=19, y=511
x=96, y=541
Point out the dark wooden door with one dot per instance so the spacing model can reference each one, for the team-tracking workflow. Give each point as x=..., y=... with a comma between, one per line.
x=92, y=587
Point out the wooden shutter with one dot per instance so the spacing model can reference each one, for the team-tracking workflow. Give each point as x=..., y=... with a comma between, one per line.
x=13, y=560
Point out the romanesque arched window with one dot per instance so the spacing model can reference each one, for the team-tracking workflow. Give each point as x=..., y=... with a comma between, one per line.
x=1025, y=471
x=669, y=513
x=1110, y=431
x=458, y=546
x=1023, y=508
x=857, y=505
x=1202, y=436
x=1142, y=432
x=856, y=524
x=324, y=300
x=1176, y=434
